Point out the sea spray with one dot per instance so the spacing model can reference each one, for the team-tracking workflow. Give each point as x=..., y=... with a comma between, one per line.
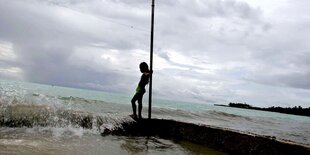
x=31, y=115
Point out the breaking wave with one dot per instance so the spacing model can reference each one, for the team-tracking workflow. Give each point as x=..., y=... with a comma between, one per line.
x=44, y=111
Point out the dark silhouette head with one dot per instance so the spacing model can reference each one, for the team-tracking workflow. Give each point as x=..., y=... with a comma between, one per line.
x=144, y=67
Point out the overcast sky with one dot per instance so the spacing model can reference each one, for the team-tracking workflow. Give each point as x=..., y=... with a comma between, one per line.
x=210, y=51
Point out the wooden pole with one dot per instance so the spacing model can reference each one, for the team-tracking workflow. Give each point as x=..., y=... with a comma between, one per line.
x=151, y=58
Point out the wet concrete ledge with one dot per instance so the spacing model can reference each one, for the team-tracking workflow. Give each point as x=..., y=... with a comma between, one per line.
x=225, y=140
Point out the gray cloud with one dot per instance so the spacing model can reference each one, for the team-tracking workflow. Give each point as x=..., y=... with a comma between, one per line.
x=207, y=51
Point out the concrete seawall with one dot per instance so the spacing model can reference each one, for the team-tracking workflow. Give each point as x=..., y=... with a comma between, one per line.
x=222, y=139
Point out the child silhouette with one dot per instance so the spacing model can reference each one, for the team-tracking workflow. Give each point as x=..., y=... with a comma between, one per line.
x=140, y=90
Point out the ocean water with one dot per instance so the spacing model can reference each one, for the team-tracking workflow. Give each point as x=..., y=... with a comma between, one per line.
x=54, y=133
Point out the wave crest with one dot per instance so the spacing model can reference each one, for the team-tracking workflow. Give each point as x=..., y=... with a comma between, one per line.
x=30, y=115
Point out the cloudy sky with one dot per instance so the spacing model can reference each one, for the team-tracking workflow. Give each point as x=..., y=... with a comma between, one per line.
x=210, y=51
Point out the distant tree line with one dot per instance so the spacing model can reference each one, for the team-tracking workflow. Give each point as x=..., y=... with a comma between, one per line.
x=287, y=110
x=240, y=105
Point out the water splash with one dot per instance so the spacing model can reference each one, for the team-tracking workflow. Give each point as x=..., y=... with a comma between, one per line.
x=31, y=115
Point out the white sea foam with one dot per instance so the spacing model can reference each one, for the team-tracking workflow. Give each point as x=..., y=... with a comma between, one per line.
x=19, y=142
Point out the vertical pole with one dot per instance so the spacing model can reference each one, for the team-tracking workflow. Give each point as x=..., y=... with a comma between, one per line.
x=151, y=58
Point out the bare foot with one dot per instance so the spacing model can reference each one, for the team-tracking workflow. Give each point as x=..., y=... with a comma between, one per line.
x=140, y=117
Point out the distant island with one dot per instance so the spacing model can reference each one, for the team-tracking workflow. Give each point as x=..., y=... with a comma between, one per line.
x=287, y=110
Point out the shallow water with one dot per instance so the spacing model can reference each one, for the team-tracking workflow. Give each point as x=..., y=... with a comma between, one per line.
x=37, y=141
x=53, y=111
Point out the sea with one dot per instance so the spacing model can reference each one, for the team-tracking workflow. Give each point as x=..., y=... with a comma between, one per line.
x=58, y=136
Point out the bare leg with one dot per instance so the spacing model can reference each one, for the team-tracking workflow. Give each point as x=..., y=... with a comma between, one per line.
x=140, y=107
x=134, y=106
